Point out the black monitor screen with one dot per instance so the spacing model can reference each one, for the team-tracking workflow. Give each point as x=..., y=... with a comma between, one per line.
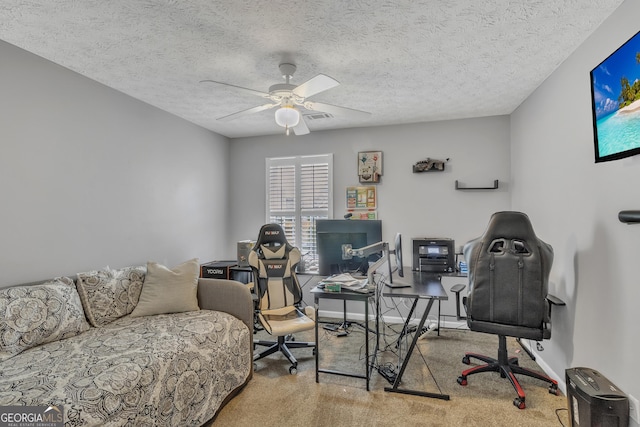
x=334, y=235
x=398, y=249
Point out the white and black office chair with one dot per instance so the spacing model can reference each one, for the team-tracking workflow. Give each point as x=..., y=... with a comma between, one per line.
x=273, y=261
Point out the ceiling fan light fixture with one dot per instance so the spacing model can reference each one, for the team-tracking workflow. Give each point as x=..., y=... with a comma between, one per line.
x=287, y=117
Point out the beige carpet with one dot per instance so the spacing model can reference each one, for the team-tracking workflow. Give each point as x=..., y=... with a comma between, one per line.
x=275, y=398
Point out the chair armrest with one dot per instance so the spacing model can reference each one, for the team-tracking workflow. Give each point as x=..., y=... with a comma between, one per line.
x=457, y=288
x=228, y=296
x=555, y=300
x=552, y=300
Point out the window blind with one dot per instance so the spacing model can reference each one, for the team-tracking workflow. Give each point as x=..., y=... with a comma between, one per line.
x=299, y=191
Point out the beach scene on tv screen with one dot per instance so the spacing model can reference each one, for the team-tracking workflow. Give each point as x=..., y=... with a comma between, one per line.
x=616, y=99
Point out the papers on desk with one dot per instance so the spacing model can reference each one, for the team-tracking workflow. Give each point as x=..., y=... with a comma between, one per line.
x=345, y=280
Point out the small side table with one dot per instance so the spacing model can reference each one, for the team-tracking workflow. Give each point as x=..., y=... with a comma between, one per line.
x=318, y=294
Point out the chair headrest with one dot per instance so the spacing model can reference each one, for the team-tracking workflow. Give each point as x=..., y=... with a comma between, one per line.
x=271, y=235
x=509, y=225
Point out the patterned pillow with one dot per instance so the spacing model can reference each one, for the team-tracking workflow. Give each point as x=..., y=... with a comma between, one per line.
x=38, y=314
x=109, y=294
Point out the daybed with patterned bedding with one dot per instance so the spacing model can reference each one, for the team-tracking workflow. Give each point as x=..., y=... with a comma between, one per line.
x=126, y=368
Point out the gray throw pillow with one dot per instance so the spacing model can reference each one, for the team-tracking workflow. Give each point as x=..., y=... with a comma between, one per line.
x=169, y=290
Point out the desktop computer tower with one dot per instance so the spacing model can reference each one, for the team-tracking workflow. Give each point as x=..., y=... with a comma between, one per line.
x=244, y=247
x=593, y=400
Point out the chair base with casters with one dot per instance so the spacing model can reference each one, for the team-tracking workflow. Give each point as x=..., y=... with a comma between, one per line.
x=284, y=344
x=507, y=367
x=290, y=319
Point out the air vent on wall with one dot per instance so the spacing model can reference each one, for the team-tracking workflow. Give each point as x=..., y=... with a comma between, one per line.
x=317, y=116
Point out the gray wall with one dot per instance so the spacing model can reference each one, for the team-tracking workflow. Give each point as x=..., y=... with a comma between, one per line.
x=414, y=204
x=574, y=205
x=90, y=177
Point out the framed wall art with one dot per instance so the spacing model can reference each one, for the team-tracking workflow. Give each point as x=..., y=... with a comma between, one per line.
x=361, y=198
x=369, y=166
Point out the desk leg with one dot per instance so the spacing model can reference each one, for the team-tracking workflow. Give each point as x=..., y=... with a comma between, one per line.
x=345, y=324
x=394, y=388
x=315, y=302
x=374, y=359
x=366, y=338
x=439, y=307
x=405, y=328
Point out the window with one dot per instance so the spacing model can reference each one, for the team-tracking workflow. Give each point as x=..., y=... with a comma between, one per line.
x=299, y=191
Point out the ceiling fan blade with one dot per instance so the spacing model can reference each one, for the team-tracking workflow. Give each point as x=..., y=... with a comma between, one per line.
x=248, y=111
x=338, y=111
x=244, y=89
x=315, y=85
x=301, y=128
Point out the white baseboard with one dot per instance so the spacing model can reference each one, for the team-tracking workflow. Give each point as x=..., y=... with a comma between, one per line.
x=456, y=324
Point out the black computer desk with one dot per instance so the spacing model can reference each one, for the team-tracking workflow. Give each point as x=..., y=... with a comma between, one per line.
x=421, y=285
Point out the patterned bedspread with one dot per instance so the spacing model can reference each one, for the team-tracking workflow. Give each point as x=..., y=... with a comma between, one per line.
x=163, y=370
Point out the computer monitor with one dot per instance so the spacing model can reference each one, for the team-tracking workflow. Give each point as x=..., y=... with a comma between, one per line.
x=398, y=254
x=334, y=238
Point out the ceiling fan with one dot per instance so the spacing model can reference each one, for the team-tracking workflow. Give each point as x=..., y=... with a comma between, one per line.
x=289, y=98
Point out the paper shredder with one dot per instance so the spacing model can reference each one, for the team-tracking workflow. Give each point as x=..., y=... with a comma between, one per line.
x=594, y=400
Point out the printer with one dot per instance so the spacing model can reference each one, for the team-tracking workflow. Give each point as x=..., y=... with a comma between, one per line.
x=436, y=255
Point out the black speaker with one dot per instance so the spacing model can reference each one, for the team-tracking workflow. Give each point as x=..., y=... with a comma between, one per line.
x=594, y=400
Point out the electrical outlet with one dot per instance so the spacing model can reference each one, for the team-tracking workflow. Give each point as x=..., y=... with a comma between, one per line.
x=634, y=409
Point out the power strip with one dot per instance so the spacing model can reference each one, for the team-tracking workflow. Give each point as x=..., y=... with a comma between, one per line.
x=387, y=373
x=432, y=326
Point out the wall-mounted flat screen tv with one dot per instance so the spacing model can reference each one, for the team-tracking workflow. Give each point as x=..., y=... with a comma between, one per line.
x=615, y=96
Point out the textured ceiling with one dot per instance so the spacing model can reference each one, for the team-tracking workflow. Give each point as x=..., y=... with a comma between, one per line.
x=404, y=61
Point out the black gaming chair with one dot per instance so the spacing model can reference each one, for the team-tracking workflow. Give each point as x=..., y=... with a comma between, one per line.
x=273, y=261
x=508, y=282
